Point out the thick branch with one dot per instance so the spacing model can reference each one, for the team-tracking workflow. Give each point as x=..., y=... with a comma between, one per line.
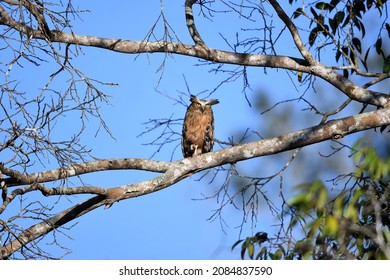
x=16, y=178
x=339, y=81
x=331, y=130
x=257, y=60
x=39, y=16
x=48, y=225
x=181, y=169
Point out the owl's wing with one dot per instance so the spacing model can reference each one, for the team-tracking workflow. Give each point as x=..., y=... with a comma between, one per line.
x=208, y=142
x=185, y=146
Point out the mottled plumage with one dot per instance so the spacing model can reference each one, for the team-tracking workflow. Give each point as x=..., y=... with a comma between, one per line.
x=198, y=127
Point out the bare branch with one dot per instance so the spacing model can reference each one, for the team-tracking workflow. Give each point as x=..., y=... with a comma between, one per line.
x=32, y=30
x=181, y=169
x=17, y=178
x=50, y=224
x=191, y=23
x=294, y=33
x=352, y=90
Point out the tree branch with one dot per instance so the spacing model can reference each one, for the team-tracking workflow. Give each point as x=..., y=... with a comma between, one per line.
x=51, y=224
x=172, y=172
x=190, y=22
x=17, y=178
x=179, y=170
x=352, y=90
x=294, y=33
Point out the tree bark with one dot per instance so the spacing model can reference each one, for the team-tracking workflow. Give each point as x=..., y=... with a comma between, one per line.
x=181, y=169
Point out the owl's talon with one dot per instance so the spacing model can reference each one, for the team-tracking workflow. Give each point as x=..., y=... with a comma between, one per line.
x=194, y=148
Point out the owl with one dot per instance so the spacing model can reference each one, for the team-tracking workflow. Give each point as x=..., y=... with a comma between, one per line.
x=198, y=127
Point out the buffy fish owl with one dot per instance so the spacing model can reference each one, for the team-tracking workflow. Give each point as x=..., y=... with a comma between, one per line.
x=198, y=127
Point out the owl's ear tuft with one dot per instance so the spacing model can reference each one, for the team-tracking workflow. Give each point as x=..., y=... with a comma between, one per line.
x=193, y=98
x=212, y=102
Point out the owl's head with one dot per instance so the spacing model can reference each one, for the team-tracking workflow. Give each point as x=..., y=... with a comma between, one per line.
x=202, y=104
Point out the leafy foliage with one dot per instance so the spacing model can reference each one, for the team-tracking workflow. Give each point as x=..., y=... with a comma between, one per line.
x=355, y=224
x=341, y=23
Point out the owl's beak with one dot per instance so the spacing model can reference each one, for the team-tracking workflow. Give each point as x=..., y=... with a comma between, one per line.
x=203, y=108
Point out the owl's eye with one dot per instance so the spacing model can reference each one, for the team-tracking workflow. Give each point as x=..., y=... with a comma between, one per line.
x=197, y=104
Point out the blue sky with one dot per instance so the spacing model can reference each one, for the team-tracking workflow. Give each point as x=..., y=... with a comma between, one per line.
x=172, y=223
x=168, y=224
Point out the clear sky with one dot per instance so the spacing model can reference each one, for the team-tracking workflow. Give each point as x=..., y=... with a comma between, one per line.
x=172, y=223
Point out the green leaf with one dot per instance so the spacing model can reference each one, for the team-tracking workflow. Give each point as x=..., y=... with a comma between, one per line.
x=359, y=25
x=378, y=171
x=262, y=254
x=364, y=64
x=352, y=56
x=313, y=36
x=320, y=20
x=300, y=74
x=338, y=206
x=333, y=4
x=352, y=211
x=383, y=127
x=333, y=25
x=360, y=246
x=386, y=64
x=363, y=29
x=358, y=156
x=243, y=249
x=303, y=247
x=346, y=21
x=366, y=57
x=314, y=12
x=325, y=30
x=359, y=172
x=331, y=227
x=369, y=4
x=314, y=228
x=357, y=44
x=388, y=29
x=338, y=54
x=281, y=248
x=323, y=6
x=358, y=8
x=277, y=255
x=379, y=5
x=378, y=46
x=236, y=243
x=305, y=199
x=297, y=12
x=260, y=237
x=322, y=198
x=244, y=246
x=299, y=200
x=251, y=250
x=339, y=17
